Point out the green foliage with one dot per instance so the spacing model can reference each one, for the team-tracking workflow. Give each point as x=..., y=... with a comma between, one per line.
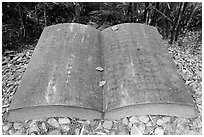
x=23, y=22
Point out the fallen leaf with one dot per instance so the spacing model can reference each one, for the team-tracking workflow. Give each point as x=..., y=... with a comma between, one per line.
x=99, y=68
x=102, y=83
x=114, y=28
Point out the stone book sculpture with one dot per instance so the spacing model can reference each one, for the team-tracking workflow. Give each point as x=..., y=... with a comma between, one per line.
x=78, y=71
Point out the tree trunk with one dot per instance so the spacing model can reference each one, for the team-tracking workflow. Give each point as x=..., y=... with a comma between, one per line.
x=155, y=14
x=175, y=24
x=45, y=15
x=20, y=12
x=145, y=17
x=166, y=22
x=77, y=12
x=191, y=16
x=178, y=26
x=133, y=12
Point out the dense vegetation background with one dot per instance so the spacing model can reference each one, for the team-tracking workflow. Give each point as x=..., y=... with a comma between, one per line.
x=23, y=22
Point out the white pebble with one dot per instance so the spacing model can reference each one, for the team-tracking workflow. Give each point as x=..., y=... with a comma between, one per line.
x=54, y=132
x=134, y=120
x=197, y=123
x=166, y=119
x=135, y=130
x=130, y=125
x=149, y=124
x=11, y=131
x=44, y=127
x=142, y=127
x=18, y=132
x=33, y=128
x=77, y=131
x=193, y=132
x=53, y=122
x=65, y=128
x=160, y=122
x=7, y=126
x=64, y=121
x=125, y=121
x=144, y=119
x=107, y=124
x=17, y=126
x=159, y=131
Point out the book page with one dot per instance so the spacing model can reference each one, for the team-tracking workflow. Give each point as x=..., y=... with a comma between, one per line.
x=139, y=73
x=61, y=78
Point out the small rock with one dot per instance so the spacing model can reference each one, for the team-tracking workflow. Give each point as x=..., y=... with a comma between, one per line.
x=64, y=121
x=148, y=130
x=135, y=130
x=44, y=128
x=107, y=124
x=144, y=119
x=170, y=127
x=159, y=131
x=31, y=123
x=125, y=121
x=166, y=119
x=53, y=122
x=130, y=125
x=182, y=126
x=160, y=122
x=141, y=127
x=134, y=120
x=33, y=128
x=4, y=133
x=96, y=126
x=99, y=133
x=192, y=132
x=122, y=132
x=149, y=124
x=3, y=110
x=11, y=131
x=54, y=132
x=7, y=126
x=86, y=123
x=65, y=128
x=84, y=132
x=199, y=100
x=77, y=131
x=33, y=133
x=18, y=133
x=197, y=123
x=113, y=132
x=17, y=126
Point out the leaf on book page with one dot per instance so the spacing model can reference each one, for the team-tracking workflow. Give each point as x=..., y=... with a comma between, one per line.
x=99, y=68
x=114, y=28
x=102, y=83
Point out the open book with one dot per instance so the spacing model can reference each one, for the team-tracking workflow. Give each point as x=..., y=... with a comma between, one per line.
x=78, y=71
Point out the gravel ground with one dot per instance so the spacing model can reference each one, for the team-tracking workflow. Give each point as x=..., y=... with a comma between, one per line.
x=138, y=125
x=14, y=65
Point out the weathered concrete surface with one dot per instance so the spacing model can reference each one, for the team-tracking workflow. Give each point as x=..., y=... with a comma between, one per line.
x=61, y=78
x=141, y=76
